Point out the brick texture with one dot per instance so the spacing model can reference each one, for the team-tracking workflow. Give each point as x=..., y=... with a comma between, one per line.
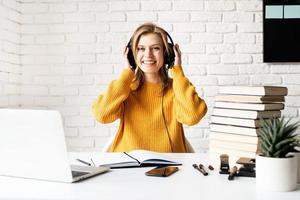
x=62, y=54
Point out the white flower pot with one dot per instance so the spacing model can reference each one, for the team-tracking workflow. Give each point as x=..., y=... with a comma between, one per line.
x=297, y=155
x=276, y=174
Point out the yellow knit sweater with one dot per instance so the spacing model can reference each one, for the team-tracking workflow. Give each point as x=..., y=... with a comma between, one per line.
x=142, y=124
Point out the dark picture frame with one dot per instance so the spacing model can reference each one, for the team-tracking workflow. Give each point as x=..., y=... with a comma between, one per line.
x=281, y=30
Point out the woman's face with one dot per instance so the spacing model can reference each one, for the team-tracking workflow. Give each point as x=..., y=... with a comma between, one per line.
x=150, y=53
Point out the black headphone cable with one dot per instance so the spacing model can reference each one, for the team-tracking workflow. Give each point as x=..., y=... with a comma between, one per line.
x=164, y=118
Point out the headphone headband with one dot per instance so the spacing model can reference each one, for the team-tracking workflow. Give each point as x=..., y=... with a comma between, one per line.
x=168, y=35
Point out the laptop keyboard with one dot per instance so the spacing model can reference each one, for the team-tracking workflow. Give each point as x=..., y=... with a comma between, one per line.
x=77, y=173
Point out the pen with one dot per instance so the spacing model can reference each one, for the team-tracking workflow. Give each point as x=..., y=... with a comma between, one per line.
x=93, y=162
x=205, y=173
x=84, y=162
x=200, y=170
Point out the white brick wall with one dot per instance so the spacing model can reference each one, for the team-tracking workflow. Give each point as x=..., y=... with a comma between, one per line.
x=10, y=68
x=70, y=50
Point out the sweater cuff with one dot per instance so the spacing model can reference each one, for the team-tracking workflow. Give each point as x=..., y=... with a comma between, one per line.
x=127, y=75
x=177, y=70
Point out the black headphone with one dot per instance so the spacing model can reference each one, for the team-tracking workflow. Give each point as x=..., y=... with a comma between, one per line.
x=169, y=58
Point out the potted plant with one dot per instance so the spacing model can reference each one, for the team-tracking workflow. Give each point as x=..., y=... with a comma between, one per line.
x=276, y=168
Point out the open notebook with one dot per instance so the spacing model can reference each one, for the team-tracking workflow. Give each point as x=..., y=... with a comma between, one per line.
x=135, y=158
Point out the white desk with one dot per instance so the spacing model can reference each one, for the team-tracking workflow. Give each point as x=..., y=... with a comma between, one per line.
x=132, y=184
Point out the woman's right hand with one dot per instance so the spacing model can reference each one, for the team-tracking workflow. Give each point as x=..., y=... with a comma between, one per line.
x=125, y=59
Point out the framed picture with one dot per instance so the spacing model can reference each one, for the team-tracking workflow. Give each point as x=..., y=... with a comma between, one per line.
x=281, y=30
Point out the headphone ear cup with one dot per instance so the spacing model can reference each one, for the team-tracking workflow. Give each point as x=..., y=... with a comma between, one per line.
x=169, y=57
x=130, y=56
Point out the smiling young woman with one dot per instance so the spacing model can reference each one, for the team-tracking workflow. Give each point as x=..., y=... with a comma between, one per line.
x=151, y=106
x=150, y=56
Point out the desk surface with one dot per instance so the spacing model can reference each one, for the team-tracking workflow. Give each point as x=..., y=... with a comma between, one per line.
x=132, y=184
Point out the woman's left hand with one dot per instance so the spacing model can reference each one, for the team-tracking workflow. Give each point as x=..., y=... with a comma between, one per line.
x=177, y=54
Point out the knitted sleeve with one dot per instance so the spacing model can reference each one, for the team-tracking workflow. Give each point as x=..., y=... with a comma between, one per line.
x=109, y=106
x=188, y=106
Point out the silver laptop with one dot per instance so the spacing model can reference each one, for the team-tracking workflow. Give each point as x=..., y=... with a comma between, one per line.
x=32, y=145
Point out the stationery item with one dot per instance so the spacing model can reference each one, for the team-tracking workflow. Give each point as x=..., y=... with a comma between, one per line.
x=205, y=173
x=254, y=90
x=93, y=162
x=135, y=158
x=83, y=162
x=211, y=167
x=200, y=170
x=247, y=168
x=224, y=165
x=162, y=171
x=232, y=173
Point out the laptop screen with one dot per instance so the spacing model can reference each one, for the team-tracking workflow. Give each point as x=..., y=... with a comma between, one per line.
x=32, y=145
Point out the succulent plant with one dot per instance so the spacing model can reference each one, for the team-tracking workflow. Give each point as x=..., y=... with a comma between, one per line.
x=277, y=137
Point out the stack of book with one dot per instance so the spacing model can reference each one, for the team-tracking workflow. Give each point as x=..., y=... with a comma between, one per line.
x=236, y=117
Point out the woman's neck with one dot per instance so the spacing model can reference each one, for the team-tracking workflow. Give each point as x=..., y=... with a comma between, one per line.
x=153, y=78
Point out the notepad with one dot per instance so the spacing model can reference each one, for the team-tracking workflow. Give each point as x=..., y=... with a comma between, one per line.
x=135, y=158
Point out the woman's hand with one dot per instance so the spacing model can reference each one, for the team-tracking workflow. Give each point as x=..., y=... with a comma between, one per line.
x=177, y=55
x=125, y=59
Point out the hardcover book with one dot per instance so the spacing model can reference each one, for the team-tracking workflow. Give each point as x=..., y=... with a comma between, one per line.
x=233, y=145
x=250, y=99
x=249, y=114
x=233, y=137
x=135, y=158
x=217, y=151
x=235, y=121
x=250, y=106
x=254, y=90
x=234, y=129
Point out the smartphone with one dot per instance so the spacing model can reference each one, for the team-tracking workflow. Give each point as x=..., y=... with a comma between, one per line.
x=162, y=171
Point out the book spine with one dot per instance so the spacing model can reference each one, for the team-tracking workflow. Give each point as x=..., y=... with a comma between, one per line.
x=233, y=137
x=231, y=152
x=245, y=113
x=234, y=129
x=234, y=145
x=250, y=106
x=256, y=91
x=235, y=121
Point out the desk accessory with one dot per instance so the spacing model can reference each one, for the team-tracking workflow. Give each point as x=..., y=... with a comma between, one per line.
x=232, y=173
x=83, y=162
x=248, y=167
x=200, y=170
x=224, y=166
x=203, y=169
x=246, y=170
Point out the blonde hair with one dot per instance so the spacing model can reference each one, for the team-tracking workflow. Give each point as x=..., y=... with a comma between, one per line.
x=145, y=29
